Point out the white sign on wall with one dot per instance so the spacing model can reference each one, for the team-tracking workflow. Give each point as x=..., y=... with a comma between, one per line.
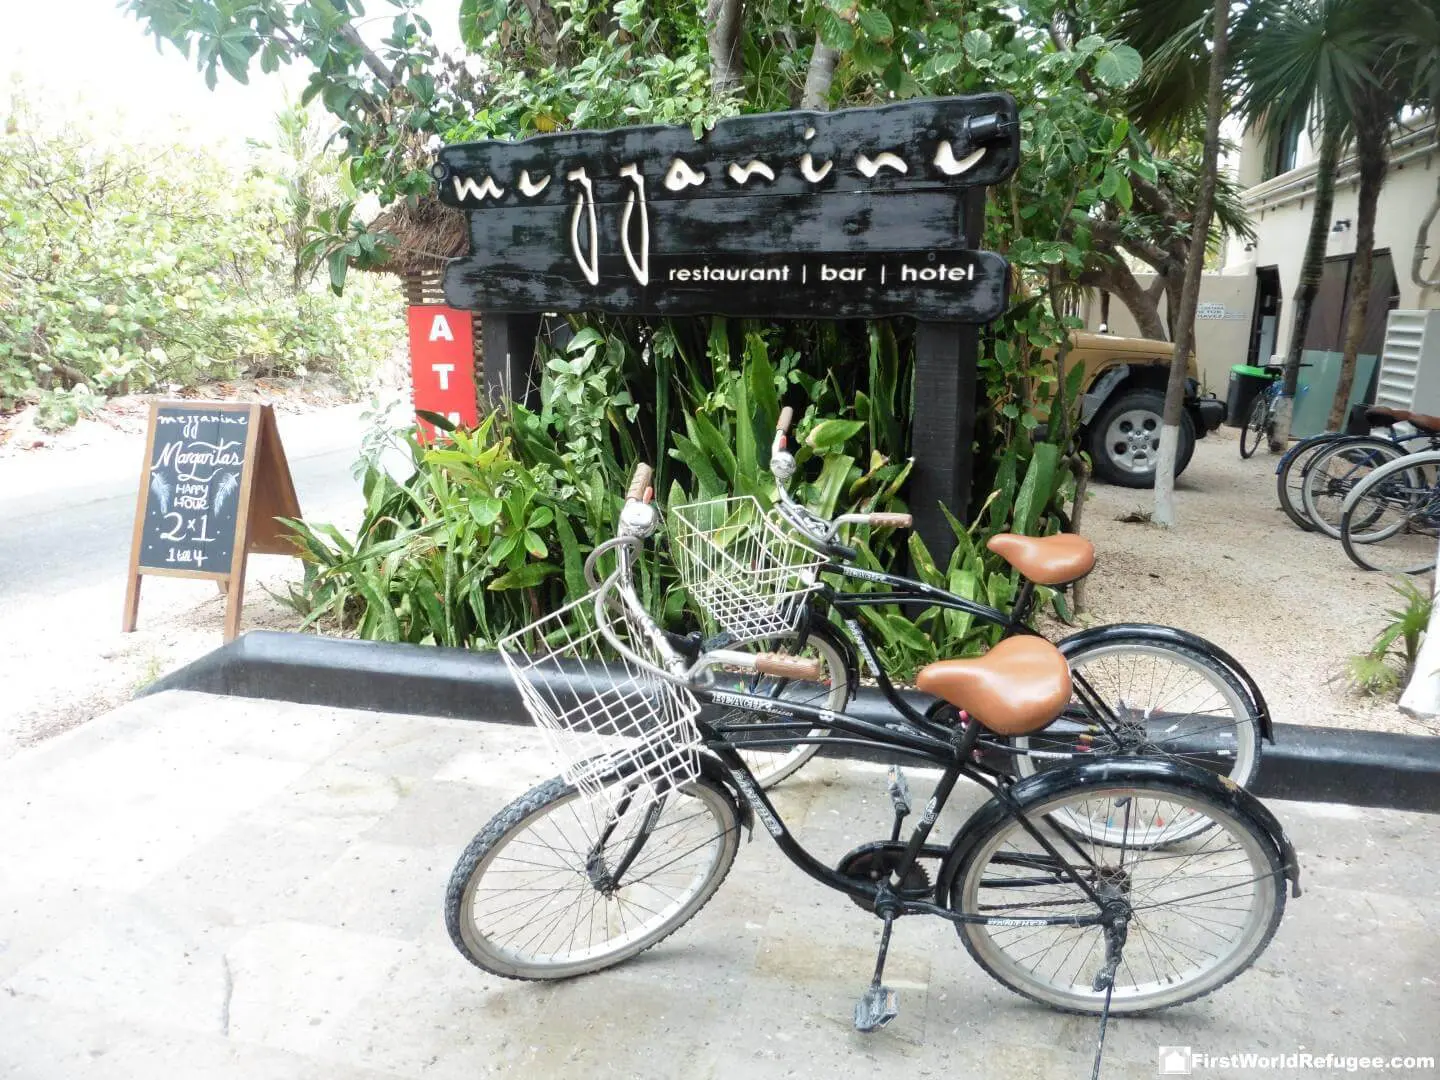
x=1219, y=311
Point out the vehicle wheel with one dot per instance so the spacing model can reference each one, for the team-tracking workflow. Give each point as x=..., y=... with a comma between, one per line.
x=1201, y=912
x=1335, y=471
x=1391, y=520
x=1256, y=425
x=1290, y=476
x=833, y=692
x=528, y=900
x=1163, y=701
x=1124, y=439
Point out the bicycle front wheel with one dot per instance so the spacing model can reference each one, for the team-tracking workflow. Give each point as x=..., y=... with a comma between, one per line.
x=534, y=896
x=1201, y=910
x=1160, y=700
x=1290, y=476
x=833, y=691
x=1391, y=521
x=1256, y=425
x=1336, y=471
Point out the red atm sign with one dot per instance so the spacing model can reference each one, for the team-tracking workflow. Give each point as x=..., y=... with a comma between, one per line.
x=442, y=364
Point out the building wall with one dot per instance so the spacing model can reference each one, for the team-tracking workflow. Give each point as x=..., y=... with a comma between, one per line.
x=1281, y=208
x=1222, y=324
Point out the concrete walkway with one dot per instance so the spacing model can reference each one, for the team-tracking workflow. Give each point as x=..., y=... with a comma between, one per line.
x=211, y=887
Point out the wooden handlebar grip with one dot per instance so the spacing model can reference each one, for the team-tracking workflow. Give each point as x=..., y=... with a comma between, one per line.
x=891, y=521
x=789, y=667
x=639, y=481
x=787, y=417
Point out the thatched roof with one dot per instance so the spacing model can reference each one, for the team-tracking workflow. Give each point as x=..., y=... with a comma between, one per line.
x=426, y=235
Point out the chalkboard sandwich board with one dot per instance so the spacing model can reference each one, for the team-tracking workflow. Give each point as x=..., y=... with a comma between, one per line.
x=214, y=481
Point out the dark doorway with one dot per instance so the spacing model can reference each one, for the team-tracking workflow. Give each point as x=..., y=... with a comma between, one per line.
x=1265, y=324
x=1331, y=314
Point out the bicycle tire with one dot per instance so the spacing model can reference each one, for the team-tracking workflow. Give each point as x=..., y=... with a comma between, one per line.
x=995, y=840
x=484, y=949
x=771, y=767
x=1413, y=550
x=1335, y=471
x=1295, y=464
x=1255, y=424
x=1217, y=723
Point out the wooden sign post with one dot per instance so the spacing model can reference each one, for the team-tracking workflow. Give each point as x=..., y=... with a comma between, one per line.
x=214, y=481
x=858, y=213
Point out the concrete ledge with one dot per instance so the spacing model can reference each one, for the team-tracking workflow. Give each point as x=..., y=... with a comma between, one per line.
x=1313, y=764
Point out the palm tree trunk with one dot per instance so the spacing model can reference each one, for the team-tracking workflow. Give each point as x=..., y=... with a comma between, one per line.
x=1164, y=513
x=1370, y=150
x=1310, y=270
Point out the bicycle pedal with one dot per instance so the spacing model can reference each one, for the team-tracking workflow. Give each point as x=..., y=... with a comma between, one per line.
x=899, y=790
x=876, y=1008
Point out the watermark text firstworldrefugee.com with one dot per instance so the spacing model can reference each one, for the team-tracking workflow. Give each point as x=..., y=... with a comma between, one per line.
x=1184, y=1061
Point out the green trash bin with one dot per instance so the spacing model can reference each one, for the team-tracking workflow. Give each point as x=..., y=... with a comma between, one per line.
x=1246, y=384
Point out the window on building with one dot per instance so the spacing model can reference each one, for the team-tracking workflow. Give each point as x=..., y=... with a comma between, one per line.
x=1284, y=148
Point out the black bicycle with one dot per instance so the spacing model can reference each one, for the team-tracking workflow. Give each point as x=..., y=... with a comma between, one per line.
x=1139, y=688
x=592, y=868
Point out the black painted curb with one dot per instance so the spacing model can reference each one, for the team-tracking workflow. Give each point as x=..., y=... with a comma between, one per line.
x=1313, y=764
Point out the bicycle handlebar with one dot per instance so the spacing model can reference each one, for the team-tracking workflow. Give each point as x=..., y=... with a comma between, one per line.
x=640, y=482
x=787, y=417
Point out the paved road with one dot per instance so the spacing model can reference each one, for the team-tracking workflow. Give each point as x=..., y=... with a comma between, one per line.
x=74, y=532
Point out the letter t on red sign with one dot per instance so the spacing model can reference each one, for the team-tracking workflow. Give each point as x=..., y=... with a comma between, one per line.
x=442, y=364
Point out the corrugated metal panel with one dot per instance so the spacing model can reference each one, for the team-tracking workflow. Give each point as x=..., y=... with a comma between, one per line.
x=1410, y=362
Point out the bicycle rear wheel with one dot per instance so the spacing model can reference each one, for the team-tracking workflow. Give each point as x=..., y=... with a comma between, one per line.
x=1336, y=471
x=1256, y=425
x=1201, y=911
x=1391, y=522
x=1290, y=476
x=532, y=897
x=1165, y=701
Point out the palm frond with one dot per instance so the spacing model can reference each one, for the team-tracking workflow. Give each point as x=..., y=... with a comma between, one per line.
x=225, y=487
x=160, y=487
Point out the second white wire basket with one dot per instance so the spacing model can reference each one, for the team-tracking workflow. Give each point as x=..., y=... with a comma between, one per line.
x=604, y=719
x=747, y=571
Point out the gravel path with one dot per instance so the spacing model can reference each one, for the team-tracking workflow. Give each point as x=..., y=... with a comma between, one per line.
x=1288, y=604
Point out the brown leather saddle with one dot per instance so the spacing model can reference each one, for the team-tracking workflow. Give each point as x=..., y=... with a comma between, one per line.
x=1018, y=687
x=1046, y=560
x=1384, y=416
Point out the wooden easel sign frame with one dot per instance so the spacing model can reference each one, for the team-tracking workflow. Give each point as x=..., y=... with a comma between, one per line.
x=213, y=483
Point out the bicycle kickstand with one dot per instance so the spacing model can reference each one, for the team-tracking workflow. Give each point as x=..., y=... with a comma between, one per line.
x=1115, y=934
x=879, y=1004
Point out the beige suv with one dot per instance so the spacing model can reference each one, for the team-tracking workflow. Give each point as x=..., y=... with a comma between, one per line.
x=1122, y=399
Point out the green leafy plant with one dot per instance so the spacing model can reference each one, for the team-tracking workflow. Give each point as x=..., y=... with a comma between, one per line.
x=1385, y=668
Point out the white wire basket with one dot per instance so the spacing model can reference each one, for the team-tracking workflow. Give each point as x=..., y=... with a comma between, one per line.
x=747, y=570
x=608, y=722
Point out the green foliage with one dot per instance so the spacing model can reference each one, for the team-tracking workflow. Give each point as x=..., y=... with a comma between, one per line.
x=125, y=269
x=493, y=526
x=1384, y=668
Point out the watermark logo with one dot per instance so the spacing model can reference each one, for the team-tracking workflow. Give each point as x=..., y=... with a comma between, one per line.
x=1174, y=1061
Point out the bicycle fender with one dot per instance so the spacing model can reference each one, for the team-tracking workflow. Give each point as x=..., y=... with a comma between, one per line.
x=1045, y=785
x=1169, y=635
x=713, y=770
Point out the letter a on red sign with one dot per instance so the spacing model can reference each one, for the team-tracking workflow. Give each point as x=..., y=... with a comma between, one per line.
x=442, y=364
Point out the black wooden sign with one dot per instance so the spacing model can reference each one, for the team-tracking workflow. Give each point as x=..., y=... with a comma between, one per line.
x=192, y=502
x=853, y=213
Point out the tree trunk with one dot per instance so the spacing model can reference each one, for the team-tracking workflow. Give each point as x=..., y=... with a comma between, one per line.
x=722, y=34
x=1164, y=513
x=1370, y=150
x=1117, y=279
x=1310, y=269
x=819, y=76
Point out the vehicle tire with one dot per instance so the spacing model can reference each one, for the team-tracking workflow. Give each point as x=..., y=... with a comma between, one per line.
x=1290, y=476
x=1391, y=520
x=1166, y=701
x=1256, y=425
x=1196, y=923
x=1124, y=439
x=570, y=925
x=833, y=692
x=1335, y=471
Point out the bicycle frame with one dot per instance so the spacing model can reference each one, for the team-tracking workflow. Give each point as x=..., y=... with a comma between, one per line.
x=933, y=744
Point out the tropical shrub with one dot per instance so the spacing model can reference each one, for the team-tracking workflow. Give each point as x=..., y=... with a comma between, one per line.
x=493, y=526
x=126, y=268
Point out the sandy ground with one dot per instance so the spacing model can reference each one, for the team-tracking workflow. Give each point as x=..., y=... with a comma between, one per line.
x=1288, y=604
